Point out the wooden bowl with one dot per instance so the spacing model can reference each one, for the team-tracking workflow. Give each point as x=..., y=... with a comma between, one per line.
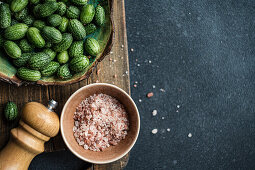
x=112, y=153
x=104, y=35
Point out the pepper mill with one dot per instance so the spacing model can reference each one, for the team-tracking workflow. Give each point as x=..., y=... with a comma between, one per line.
x=37, y=124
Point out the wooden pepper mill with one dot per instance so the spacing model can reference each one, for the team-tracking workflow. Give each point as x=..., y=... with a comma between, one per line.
x=38, y=123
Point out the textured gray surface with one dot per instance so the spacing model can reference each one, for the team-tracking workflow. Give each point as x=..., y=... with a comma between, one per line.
x=202, y=54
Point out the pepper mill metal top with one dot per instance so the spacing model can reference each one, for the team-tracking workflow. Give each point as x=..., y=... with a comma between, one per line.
x=52, y=104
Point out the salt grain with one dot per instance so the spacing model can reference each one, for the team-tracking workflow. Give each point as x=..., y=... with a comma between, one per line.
x=132, y=49
x=162, y=90
x=163, y=118
x=138, y=65
x=140, y=100
x=178, y=106
x=153, y=86
x=154, y=112
x=135, y=85
x=149, y=95
x=122, y=46
x=189, y=135
x=149, y=61
x=154, y=131
x=111, y=52
x=168, y=129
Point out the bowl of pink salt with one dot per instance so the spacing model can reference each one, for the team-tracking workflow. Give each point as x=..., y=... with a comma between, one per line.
x=100, y=123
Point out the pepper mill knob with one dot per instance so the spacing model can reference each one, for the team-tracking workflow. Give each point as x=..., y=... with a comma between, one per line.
x=37, y=125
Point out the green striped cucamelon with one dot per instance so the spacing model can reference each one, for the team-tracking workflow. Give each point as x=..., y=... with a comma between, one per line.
x=51, y=34
x=54, y=20
x=50, y=53
x=28, y=74
x=61, y=8
x=16, y=32
x=39, y=24
x=34, y=36
x=66, y=42
x=50, y=69
x=18, y=5
x=25, y=46
x=64, y=72
x=38, y=61
x=100, y=16
x=63, y=26
x=76, y=49
x=12, y=49
x=92, y=46
x=22, y=61
x=63, y=57
x=79, y=63
x=87, y=14
x=46, y=9
x=77, y=29
x=29, y=20
x=5, y=15
x=21, y=14
x=90, y=28
x=11, y=111
x=72, y=12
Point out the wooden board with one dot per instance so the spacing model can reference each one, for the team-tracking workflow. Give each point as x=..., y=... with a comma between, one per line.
x=113, y=69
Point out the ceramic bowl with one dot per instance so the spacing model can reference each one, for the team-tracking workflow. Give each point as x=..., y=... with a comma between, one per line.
x=111, y=153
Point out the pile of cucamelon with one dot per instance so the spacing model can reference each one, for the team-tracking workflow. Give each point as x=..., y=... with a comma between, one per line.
x=45, y=37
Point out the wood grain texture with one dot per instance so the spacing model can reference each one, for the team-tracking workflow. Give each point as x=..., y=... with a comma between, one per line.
x=113, y=69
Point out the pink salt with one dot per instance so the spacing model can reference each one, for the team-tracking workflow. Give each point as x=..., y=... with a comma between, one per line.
x=100, y=121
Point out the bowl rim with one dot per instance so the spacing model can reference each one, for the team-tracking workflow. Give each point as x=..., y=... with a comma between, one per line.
x=89, y=160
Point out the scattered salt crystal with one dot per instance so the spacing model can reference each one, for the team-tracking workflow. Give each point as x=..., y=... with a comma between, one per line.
x=132, y=49
x=138, y=65
x=140, y=100
x=114, y=60
x=178, y=106
x=153, y=86
x=154, y=131
x=189, y=135
x=135, y=85
x=136, y=82
x=168, y=129
x=115, y=76
x=111, y=52
x=149, y=61
x=163, y=118
x=126, y=72
x=122, y=46
x=162, y=90
x=149, y=95
x=154, y=112
x=177, y=111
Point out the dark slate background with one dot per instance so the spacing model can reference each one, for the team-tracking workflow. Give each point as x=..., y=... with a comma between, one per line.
x=202, y=56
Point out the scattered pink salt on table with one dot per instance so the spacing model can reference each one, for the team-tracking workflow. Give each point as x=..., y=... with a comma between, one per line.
x=100, y=121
